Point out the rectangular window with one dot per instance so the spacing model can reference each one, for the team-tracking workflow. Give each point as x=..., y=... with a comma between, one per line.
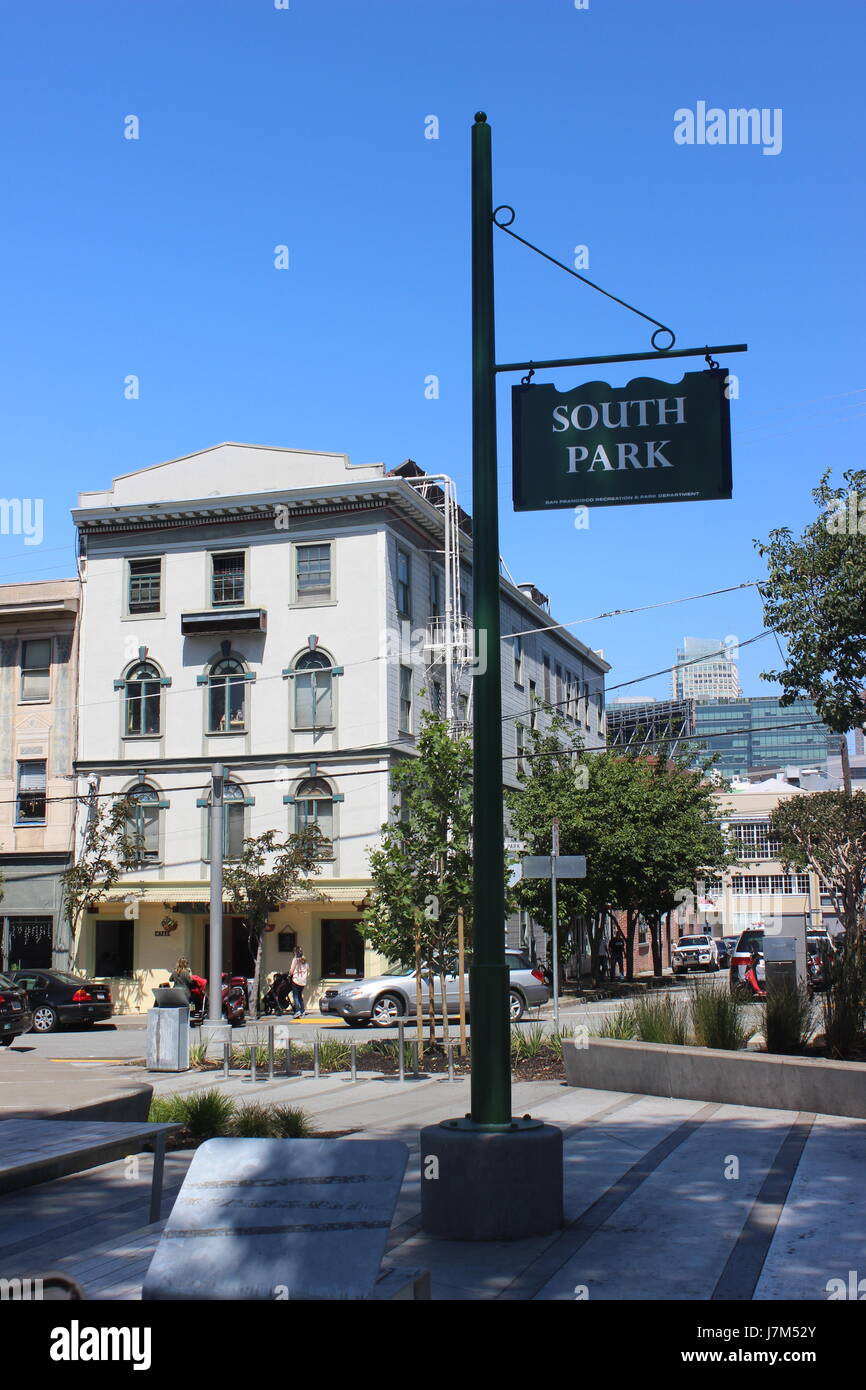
x=145, y=586
x=521, y=749
x=546, y=686
x=405, y=699
x=30, y=809
x=30, y=943
x=404, y=590
x=533, y=708
x=436, y=698
x=113, y=943
x=36, y=669
x=227, y=580
x=518, y=660
x=313, y=573
x=435, y=594
x=557, y=689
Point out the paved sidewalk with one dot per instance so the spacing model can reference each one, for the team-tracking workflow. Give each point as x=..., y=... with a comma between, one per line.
x=665, y=1199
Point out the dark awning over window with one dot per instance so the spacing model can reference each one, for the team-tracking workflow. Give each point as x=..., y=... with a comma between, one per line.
x=225, y=620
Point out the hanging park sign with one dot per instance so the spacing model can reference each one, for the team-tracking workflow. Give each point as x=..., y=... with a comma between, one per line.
x=649, y=441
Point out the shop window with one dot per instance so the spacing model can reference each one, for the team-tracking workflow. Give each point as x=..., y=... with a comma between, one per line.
x=113, y=950
x=342, y=950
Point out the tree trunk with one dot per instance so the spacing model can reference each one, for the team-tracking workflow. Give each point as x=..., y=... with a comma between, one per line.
x=257, y=971
x=445, y=1034
x=846, y=765
x=419, y=997
x=631, y=927
x=655, y=937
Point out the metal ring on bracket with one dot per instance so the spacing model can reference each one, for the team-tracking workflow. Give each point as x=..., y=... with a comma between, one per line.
x=667, y=347
x=503, y=207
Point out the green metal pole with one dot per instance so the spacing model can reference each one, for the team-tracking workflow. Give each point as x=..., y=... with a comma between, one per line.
x=491, y=1041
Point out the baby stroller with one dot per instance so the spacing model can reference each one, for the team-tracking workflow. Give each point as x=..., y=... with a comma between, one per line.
x=276, y=997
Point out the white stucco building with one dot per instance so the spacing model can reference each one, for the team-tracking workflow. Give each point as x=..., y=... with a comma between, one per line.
x=276, y=611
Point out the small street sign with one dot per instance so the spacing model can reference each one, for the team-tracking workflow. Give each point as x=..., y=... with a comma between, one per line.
x=567, y=866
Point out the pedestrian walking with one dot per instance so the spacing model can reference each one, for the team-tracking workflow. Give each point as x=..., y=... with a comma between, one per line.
x=299, y=974
x=602, y=959
x=617, y=955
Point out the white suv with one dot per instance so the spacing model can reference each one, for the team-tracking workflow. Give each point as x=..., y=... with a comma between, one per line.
x=695, y=953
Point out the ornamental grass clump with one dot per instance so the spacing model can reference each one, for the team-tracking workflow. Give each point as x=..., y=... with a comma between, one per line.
x=661, y=1021
x=844, y=1002
x=788, y=1016
x=619, y=1025
x=717, y=1019
x=207, y=1114
x=290, y=1122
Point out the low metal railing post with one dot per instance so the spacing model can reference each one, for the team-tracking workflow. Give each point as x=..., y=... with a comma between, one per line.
x=253, y=1062
x=270, y=1054
x=227, y=1060
x=316, y=1059
x=400, y=1046
x=450, y=1046
x=353, y=1053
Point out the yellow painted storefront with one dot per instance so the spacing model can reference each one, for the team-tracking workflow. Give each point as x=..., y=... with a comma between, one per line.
x=133, y=940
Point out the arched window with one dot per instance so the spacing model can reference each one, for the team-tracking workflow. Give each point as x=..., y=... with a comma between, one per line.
x=142, y=826
x=227, y=697
x=234, y=804
x=142, y=700
x=314, y=805
x=314, y=705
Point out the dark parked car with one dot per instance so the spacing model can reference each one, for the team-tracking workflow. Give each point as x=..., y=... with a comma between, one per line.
x=15, y=1015
x=57, y=998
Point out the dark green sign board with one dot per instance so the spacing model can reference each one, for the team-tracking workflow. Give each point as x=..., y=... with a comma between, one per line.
x=598, y=445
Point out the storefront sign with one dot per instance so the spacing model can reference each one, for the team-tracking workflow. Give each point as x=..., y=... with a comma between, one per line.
x=597, y=445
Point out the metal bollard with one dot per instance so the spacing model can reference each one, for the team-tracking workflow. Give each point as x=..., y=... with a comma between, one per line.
x=353, y=1051
x=270, y=1054
x=450, y=1046
x=288, y=1057
x=316, y=1059
x=400, y=1045
x=253, y=1076
x=415, y=1058
x=227, y=1060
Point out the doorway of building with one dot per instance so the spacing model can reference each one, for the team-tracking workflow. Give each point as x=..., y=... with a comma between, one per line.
x=342, y=949
x=238, y=957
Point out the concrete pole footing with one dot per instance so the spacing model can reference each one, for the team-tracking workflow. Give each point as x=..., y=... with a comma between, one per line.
x=479, y=1184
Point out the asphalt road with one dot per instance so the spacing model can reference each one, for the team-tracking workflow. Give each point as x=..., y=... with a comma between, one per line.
x=124, y=1039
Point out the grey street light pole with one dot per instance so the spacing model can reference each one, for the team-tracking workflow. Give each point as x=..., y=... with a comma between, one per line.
x=215, y=965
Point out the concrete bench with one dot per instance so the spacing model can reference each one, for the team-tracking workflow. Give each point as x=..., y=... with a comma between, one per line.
x=284, y=1219
x=34, y=1151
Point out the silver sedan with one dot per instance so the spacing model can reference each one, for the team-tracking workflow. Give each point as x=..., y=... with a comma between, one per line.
x=385, y=998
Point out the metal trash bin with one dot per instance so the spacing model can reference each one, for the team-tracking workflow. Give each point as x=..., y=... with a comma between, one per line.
x=168, y=1031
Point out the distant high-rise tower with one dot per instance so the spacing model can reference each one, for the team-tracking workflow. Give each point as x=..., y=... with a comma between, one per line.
x=705, y=670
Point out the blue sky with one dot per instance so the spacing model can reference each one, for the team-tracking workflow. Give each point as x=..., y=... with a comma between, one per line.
x=305, y=127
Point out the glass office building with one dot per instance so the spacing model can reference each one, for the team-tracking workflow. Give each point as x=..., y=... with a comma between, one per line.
x=754, y=734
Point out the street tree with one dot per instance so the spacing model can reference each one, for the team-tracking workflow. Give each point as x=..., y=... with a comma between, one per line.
x=422, y=869
x=108, y=850
x=826, y=832
x=815, y=596
x=267, y=875
x=646, y=826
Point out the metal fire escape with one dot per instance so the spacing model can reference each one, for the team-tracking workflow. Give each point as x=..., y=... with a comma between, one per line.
x=449, y=645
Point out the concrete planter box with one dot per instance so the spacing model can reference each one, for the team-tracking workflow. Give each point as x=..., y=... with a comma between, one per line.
x=734, y=1078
